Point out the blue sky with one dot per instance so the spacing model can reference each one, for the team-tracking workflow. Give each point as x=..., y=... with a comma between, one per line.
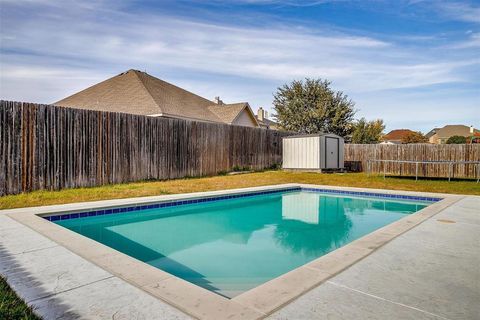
x=415, y=64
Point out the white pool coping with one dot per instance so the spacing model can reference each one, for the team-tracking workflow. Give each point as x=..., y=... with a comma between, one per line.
x=198, y=302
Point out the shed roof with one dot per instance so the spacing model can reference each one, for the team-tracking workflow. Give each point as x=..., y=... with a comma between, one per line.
x=312, y=135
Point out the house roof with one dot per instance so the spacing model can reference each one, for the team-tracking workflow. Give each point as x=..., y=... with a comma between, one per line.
x=431, y=133
x=454, y=130
x=397, y=134
x=267, y=122
x=229, y=112
x=137, y=92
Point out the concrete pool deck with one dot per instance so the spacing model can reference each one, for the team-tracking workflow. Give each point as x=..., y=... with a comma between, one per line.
x=430, y=271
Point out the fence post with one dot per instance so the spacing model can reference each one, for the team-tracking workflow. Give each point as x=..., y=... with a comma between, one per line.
x=478, y=172
x=416, y=171
x=449, y=170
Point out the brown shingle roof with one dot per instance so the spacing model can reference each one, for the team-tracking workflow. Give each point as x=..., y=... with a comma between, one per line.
x=228, y=112
x=139, y=93
x=453, y=130
x=122, y=93
x=398, y=134
x=177, y=102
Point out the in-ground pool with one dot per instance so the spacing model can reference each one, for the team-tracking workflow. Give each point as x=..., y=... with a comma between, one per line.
x=232, y=243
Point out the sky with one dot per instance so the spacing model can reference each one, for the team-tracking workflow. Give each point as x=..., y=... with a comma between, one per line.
x=413, y=63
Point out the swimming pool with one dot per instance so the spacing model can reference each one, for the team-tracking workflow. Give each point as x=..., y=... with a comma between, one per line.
x=233, y=243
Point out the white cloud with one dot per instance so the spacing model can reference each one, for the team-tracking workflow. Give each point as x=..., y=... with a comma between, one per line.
x=461, y=11
x=472, y=42
x=293, y=3
x=77, y=47
x=46, y=84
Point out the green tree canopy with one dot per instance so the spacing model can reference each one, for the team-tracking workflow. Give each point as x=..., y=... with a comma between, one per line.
x=311, y=106
x=367, y=131
x=414, y=137
x=456, y=140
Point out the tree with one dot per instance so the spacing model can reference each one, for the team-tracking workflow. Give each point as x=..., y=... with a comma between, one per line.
x=311, y=106
x=367, y=131
x=414, y=137
x=456, y=140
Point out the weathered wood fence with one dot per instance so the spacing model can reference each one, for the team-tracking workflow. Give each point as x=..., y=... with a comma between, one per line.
x=356, y=156
x=48, y=147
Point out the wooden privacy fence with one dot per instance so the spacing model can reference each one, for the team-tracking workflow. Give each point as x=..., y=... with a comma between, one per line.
x=48, y=147
x=357, y=155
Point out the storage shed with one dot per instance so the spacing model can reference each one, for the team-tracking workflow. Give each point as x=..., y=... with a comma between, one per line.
x=314, y=152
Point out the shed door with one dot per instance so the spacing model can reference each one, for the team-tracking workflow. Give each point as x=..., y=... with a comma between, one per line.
x=331, y=152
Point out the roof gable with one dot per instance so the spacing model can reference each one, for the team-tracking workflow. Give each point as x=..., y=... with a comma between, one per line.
x=122, y=93
x=230, y=112
x=251, y=114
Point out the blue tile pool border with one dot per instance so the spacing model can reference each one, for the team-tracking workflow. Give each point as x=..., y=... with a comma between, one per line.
x=373, y=194
x=174, y=203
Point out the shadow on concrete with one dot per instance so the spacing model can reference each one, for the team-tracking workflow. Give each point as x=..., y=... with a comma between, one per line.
x=15, y=275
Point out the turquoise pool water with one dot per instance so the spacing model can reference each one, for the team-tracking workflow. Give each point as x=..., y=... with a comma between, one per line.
x=233, y=245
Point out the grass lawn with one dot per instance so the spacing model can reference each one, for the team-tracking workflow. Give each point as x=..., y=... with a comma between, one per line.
x=150, y=188
x=11, y=306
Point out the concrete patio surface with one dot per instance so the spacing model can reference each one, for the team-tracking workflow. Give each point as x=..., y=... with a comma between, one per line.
x=430, y=272
x=68, y=286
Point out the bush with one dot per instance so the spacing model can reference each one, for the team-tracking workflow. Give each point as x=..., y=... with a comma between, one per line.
x=456, y=140
x=275, y=166
x=240, y=169
x=367, y=132
x=414, y=137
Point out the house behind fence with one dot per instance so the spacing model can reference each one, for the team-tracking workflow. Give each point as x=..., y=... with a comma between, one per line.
x=48, y=147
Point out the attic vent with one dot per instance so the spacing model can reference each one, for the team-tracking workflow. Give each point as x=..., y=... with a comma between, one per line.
x=218, y=100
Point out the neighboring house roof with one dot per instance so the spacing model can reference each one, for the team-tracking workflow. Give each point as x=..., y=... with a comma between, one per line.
x=431, y=133
x=454, y=130
x=398, y=134
x=267, y=123
x=263, y=121
x=137, y=92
